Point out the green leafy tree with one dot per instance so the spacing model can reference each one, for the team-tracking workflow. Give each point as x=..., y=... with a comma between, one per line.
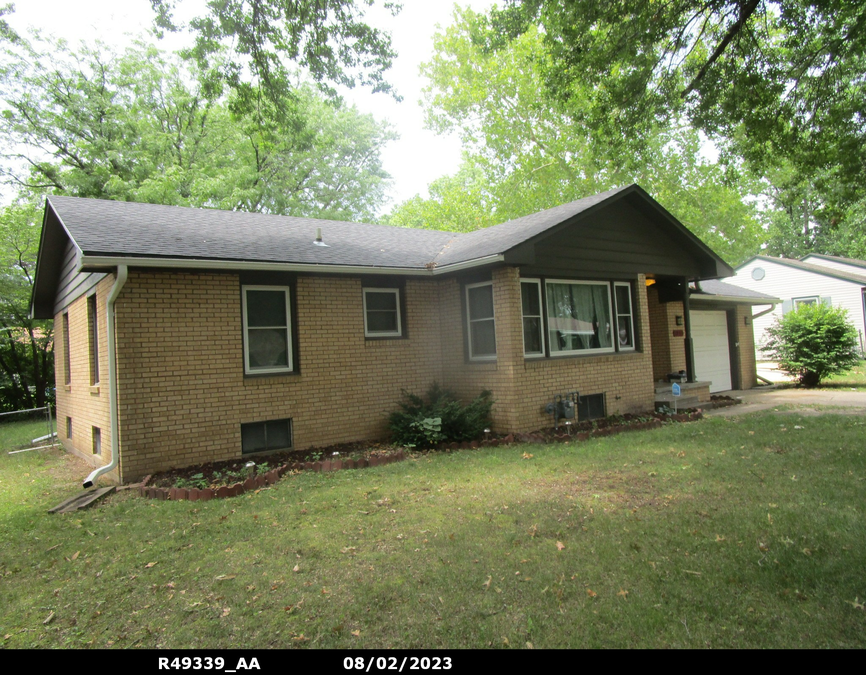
x=526, y=151
x=787, y=74
x=329, y=39
x=145, y=126
x=813, y=342
x=26, y=346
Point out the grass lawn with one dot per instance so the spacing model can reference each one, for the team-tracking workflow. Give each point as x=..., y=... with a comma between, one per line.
x=730, y=532
x=855, y=378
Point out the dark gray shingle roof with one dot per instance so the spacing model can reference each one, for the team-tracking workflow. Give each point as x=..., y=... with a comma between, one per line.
x=111, y=228
x=712, y=287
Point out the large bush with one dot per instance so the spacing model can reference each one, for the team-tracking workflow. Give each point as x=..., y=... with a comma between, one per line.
x=440, y=417
x=813, y=342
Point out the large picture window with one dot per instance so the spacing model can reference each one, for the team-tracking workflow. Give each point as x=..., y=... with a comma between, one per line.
x=481, y=322
x=579, y=317
x=267, y=331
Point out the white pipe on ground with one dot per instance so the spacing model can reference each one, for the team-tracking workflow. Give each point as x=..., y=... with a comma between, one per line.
x=122, y=272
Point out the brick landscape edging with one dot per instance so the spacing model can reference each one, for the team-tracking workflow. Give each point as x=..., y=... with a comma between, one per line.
x=260, y=481
x=271, y=477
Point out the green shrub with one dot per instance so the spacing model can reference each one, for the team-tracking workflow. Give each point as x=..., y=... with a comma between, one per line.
x=813, y=342
x=439, y=418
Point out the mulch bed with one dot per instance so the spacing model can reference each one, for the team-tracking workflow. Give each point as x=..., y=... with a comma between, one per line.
x=220, y=479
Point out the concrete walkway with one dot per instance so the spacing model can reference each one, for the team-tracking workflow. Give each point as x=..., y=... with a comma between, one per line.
x=806, y=401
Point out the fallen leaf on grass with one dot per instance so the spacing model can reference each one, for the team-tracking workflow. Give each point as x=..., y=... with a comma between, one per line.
x=486, y=584
x=75, y=555
x=560, y=545
x=225, y=577
x=150, y=564
x=226, y=612
x=356, y=633
x=697, y=574
x=527, y=455
x=807, y=551
x=48, y=619
x=719, y=537
x=591, y=593
x=296, y=568
x=856, y=604
x=623, y=593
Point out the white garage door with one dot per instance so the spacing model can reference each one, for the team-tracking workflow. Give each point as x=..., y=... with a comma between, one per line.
x=712, y=358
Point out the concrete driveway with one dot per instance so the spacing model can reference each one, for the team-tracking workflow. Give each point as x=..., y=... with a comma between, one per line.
x=806, y=401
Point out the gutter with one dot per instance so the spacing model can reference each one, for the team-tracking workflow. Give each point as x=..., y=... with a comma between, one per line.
x=94, y=263
x=122, y=272
x=766, y=311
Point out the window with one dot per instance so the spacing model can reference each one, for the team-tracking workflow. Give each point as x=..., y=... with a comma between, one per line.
x=533, y=337
x=266, y=436
x=482, y=326
x=69, y=428
x=267, y=335
x=805, y=301
x=93, y=325
x=382, y=312
x=579, y=317
x=67, y=366
x=624, y=320
x=97, y=441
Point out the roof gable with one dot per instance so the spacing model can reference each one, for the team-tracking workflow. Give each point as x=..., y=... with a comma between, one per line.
x=809, y=267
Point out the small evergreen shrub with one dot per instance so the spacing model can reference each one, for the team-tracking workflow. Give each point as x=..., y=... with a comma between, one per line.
x=813, y=342
x=439, y=418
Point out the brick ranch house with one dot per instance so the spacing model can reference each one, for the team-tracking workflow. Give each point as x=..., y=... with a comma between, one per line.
x=190, y=335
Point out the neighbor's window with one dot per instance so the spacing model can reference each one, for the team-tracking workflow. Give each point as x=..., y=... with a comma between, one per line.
x=624, y=316
x=382, y=312
x=267, y=333
x=579, y=317
x=93, y=325
x=265, y=436
x=67, y=366
x=480, y=321
x=533, y=337
x=805, y=301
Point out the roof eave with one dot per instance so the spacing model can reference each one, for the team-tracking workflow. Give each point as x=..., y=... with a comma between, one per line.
x=100, y=263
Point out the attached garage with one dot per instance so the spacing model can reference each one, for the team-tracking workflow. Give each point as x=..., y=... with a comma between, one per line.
x=712, y=349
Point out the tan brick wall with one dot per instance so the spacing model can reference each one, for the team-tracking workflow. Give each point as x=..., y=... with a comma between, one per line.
x=183, y=394
x=746, y=338
x=86, y=405
x=521, y=386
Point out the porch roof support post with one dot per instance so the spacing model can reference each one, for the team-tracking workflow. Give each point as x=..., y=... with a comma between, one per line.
x=689, y=344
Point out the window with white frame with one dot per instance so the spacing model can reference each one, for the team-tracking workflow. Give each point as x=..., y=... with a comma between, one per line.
x=813, y=300
x=579, y=317
x=624, y=316
x=267, y=330
x=382, y=313
x=533, y=331
x=480, y=321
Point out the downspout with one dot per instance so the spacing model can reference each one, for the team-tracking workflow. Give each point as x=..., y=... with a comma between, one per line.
x=766, y=311
x=122, y=272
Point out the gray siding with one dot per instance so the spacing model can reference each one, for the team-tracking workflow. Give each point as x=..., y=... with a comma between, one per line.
x=72, y=285
x=618, y=242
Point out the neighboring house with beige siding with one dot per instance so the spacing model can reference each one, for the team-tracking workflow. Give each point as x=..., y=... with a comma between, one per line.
x=840, y=282
x=194, y=335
